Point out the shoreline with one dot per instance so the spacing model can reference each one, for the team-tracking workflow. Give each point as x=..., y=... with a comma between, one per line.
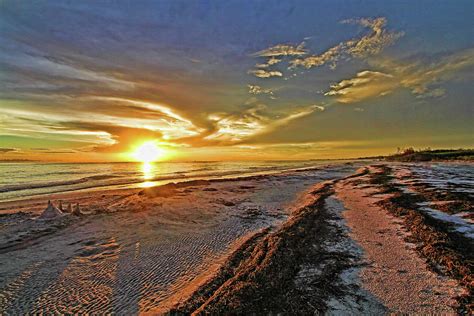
x=156, y=182
x=138, y=184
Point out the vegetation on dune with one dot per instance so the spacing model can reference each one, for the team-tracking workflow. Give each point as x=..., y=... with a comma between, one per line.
x=411, y=155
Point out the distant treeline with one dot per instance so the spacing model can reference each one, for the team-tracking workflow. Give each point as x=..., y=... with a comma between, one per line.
x=410, y=154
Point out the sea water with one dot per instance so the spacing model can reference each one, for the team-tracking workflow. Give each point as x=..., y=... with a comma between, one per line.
x=24, y=180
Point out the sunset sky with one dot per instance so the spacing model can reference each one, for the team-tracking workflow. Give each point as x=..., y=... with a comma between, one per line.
x=232, y=80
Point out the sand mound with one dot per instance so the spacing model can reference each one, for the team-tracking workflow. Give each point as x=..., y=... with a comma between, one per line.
x=77, y=210
x=51, y=212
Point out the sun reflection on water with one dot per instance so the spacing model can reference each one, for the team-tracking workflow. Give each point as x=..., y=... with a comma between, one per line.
x=148, y=169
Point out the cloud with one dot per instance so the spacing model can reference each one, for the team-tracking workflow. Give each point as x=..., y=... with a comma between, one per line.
x=370, y=44
x=282, y=50
x=50, y=73
x=265, y=74
x=123, y=138
x=153, y=107
x=235, y=128
x=255, y=89
x=373, y=43
x=105, y=124
x=270, y=62
x=46, y=126
x=331, y=55
x=421, y=78
x=365, y=85
x=435, y=93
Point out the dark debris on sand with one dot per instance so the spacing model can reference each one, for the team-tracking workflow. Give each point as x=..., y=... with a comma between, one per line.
x=447, y=252
x=259, y=278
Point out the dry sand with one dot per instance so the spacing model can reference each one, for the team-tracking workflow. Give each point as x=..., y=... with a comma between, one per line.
x=395, y=273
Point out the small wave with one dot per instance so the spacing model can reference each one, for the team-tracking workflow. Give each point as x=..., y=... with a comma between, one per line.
x=102, y=177
x=19, y=187
x=30, y=186
x=132, y=178
x=192, y=170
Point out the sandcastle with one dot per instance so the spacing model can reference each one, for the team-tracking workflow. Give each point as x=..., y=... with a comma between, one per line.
x=77, y=210
x=51, y=212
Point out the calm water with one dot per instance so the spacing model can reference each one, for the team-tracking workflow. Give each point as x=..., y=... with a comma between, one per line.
x=22, y=180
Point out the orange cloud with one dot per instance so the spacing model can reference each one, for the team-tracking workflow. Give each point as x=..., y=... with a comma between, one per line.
x=365, y=85
x=421, y=79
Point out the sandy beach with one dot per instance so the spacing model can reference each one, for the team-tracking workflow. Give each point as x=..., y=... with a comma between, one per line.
x=208, y=157
x=319, y=240
x=138, y=249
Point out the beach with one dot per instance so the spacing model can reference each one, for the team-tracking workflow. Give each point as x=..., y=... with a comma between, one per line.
x=353, y=237
x=180, y=157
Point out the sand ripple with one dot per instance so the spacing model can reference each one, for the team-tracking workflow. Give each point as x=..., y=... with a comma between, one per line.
x=131, y=262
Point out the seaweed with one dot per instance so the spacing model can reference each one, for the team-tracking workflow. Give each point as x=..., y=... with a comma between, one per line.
x=260, y=277
x=447, y=252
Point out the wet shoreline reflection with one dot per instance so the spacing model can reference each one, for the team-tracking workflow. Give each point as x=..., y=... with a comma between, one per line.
x=148, y=169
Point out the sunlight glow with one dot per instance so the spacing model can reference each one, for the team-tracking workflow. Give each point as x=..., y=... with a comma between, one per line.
x=149, y=152
x=148, y=170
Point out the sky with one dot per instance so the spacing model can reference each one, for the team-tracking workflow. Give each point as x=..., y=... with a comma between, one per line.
x=234, y=80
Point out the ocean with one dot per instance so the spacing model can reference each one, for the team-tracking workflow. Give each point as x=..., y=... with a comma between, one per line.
x=25, y=180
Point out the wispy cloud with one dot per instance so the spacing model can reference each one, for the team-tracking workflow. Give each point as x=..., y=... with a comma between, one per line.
x=235, y=128
x=282, y=50
x=370, y=44
x=270, y=62
x=51, y=73
x=108, y=127
x=265, y=74
x=374, y=42
x=176, y=125
x=123, y=138
x=422, y=79
x=435, y=93
x=365, y=84
x=255, y=89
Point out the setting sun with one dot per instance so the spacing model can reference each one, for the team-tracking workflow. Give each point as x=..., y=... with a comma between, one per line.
x=148, y=152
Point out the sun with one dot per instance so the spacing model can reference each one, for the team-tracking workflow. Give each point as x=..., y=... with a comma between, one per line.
x=148, y=152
